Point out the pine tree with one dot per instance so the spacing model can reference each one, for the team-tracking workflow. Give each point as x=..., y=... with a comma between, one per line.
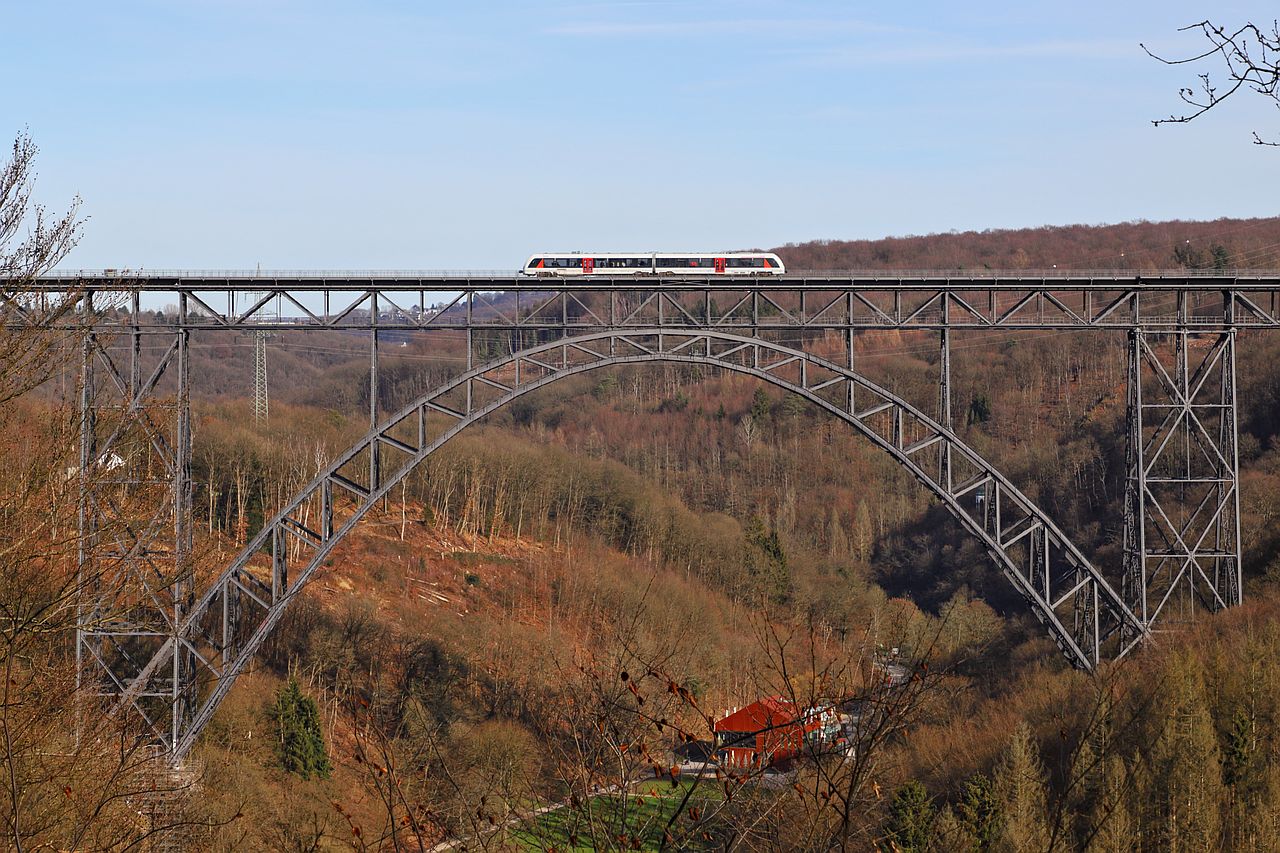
x=1111, y=823
x=951, y=834
x=1020, y=785
x=1084, y=781
x=299, y=740
x=980, y=813
x=761, y=407
x=1221, y=258
x=1185, y=791
x=767, y=562
x=1243, y=774
x=910, y=825
x=1239, y=749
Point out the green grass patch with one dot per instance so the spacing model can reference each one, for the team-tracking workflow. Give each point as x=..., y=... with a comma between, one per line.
x=643, y=813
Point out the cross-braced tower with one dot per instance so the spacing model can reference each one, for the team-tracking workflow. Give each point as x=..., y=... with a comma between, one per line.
x=261, y=399
x=261, y=403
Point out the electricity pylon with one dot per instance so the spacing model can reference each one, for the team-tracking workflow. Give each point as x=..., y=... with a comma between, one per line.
x=261, y=402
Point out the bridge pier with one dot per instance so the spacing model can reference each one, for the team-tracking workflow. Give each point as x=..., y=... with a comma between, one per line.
x=134, y=561
x=1182, y=500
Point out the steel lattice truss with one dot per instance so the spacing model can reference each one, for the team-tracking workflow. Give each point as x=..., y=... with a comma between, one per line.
x=153, y=642
x=925, y=300
x=1182, y=502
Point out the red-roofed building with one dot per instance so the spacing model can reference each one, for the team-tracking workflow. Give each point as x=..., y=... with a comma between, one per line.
x=770, y=730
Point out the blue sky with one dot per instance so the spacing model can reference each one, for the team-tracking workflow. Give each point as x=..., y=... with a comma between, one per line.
x=229, y=133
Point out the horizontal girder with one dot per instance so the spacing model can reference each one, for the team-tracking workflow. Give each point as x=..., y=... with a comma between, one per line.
x=960, y=300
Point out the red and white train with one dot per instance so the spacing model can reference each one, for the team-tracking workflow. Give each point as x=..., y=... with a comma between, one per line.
x=654, y=263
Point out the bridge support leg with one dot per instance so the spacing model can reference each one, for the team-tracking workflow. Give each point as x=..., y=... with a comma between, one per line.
x=88, y=593
x=944, y=405
x=1182, y=500
x=374, y=468
x=183, y=689
x=135, y=570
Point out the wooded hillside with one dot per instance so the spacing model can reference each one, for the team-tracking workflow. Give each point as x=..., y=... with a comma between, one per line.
x=1221, y=243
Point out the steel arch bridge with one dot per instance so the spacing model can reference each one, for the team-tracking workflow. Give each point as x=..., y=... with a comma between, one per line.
x=154, y=643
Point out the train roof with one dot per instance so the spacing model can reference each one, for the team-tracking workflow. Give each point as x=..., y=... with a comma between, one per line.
x=680, y=253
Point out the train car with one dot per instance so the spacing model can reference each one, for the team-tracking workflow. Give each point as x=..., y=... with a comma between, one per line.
x=654, y=263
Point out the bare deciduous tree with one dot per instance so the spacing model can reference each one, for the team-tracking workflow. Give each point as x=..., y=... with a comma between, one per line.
x=1251, y=56
x=71, y=776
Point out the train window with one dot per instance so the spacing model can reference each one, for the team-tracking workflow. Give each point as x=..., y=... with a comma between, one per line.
x=533, y=264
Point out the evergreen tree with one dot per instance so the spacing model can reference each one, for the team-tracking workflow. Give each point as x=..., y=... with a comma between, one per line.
x=950, y=834
x=979, y=410
x=1185, y=790
x=299, y=740
x=767, y=562
x=980, y=813
x=1239, y=750
x=910, y=825
x=1084, y=781
x=1020, y=785
x=1221, y=258
x=792, y=406
x=760, y=407
x=1243, y=772
x=1111, y=823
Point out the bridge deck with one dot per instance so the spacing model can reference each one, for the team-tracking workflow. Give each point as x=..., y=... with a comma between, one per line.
x=1203, y=300
x=822, y=280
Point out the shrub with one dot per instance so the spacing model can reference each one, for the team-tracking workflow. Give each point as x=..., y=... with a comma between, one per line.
x=299, y=740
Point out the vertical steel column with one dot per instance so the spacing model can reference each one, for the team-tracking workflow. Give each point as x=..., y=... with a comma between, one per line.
x=1231, y=578
x=944, y=395
x=471, y=348
x=135, y=331
x=87, y=592
x=1182, y=385
x=183, y=590
x=848, y=345
x=374, y=474
x=1134, y=582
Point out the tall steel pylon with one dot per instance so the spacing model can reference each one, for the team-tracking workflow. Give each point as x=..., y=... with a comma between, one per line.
x=261, y=402
x=261, y=399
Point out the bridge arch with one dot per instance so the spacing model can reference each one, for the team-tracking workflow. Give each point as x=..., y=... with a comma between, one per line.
x=226, y=625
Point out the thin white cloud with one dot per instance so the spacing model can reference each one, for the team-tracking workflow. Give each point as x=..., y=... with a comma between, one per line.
x=948, y=52
x=689, y=29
